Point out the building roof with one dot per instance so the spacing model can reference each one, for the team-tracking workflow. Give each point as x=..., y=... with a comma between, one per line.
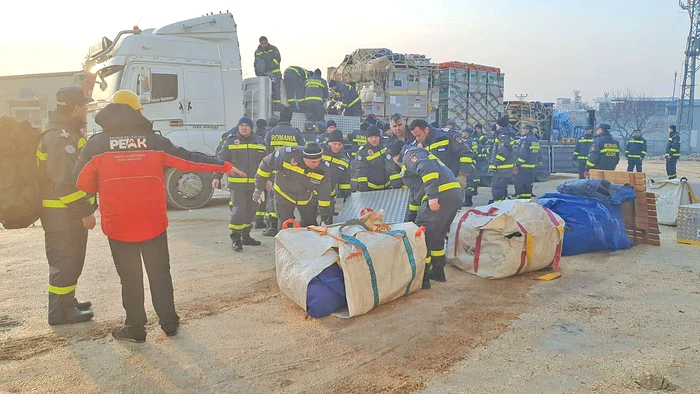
x=44, y=75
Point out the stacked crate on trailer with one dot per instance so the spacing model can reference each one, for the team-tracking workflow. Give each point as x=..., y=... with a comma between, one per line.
x=469, y=93
x=388, y=82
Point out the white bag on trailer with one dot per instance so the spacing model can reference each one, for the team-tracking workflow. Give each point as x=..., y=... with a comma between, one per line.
x=505, y=239
x=378, y=267
x=669, y=195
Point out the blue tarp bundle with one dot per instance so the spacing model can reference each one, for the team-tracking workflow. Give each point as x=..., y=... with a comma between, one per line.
x=590, y=225
x=326, y=292
x=599, y=189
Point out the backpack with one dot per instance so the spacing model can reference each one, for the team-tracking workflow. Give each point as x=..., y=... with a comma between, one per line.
x=20, y=190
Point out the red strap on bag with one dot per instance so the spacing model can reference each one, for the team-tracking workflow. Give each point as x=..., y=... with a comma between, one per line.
x=464, y=217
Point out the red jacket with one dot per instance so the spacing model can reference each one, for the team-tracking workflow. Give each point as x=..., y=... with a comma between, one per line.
x=125, y=165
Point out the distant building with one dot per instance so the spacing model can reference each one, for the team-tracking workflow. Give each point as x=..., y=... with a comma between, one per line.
x=664, y=115
x=29, y=97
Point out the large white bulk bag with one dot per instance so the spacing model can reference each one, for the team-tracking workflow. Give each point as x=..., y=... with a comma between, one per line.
x=505, y=239
x=669, y=195
x=378, y=267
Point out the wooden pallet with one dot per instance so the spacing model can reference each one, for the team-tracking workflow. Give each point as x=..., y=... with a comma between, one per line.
x=640, y=215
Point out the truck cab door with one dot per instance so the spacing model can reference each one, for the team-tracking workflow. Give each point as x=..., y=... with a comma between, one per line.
x=204, y=96
x=162, y=92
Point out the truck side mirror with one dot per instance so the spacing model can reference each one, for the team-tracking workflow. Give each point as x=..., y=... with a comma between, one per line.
x=143, y=85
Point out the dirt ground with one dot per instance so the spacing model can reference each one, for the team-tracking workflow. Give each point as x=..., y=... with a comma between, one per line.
x=610, y=317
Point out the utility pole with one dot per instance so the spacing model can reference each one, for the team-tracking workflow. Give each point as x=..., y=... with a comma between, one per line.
x=686, y=102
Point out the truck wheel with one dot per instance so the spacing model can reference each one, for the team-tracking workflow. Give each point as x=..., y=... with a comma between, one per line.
x=187, y=190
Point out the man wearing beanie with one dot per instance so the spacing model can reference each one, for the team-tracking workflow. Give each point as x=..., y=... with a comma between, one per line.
x=334, y=154
x=282, y=135
x=448, y=147
x=502, y=160
x=436, y=196
x=261, y=128
x=302, y=181
x=605, y=151
x=330, y=127
x=316, y=94
x=372, y=163
x=244, y=150
x=524, y=170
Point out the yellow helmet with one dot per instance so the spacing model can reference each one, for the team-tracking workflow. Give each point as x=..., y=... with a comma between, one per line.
x=129, y=98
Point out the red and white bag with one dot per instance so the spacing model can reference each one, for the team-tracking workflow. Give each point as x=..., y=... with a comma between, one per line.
x=506, y=239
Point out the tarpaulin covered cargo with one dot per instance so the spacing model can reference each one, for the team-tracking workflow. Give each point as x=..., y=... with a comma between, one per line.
x=669, y=195
x=591, y=226
x=505, y=239
x=378, y=267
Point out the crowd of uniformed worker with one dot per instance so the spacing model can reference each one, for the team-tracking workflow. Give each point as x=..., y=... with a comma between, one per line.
x=274, y=169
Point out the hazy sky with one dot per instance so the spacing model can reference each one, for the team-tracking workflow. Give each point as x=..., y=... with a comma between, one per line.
x=547, y=48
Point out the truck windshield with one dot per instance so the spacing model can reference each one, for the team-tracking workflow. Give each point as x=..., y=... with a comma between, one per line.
x=107, y=83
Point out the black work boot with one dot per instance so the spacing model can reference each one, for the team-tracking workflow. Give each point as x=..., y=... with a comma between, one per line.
x=170, y=329
x=271, y=229
x=259, y=222
x=72, y=316
x=247, y=240
x=426, y=277
x=437, y=273
x=467, y=201
x=126, y=334
x=83, y=306
x=237, y=241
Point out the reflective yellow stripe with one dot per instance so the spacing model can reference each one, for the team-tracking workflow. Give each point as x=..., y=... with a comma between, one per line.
x=494, y=167
x=238, y=226
x=583, y=157
x=528, y=166
x=260, y=213
x=336, y=161
x=73, y=197
x=634, y=156
x=293, y=201
x=344, y=186
x=377, y=187
x=466, y=160
x=448, y=186
x=283, y=143
x=394, y=177
x=313, y=98
x=438, y=144
x=376, y=154
x=263, y=174
x=314, y=175
x=291, y=167
x=432, y=175
x=413, y=208
x=41, y=155
x=521, y=160
x=353, y=102
x=323, y=203
x=275, y=71
x=428, y=259
x=246, y=146
x=610, y=150
x=637, y=141
x=436, y=253
x=362, y=179
x=273, y=215
x=241, y=180
x=62, y=290
x=59, y=203
x=81, y=142
x=588, y=163
x=500, y=158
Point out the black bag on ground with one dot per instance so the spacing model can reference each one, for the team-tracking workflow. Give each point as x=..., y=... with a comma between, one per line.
x=20, y=193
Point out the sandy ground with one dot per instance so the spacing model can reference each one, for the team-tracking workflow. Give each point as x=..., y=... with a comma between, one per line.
x=609, y=318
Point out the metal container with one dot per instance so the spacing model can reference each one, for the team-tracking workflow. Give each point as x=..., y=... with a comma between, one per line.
x=688, y=224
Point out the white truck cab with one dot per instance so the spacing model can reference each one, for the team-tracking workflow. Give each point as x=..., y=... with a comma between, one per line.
x=188, y=76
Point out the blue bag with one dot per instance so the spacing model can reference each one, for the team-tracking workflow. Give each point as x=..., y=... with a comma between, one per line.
x=591, y=226
x=326, y=292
